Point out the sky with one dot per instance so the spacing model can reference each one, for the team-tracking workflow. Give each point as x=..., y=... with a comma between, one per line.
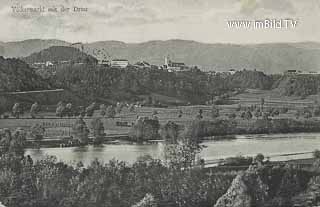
x=145, y=20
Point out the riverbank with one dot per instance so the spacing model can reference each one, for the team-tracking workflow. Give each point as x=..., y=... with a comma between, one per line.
x=273, y=147
x=228, y=128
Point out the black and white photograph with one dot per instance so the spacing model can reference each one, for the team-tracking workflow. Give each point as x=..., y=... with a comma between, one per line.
x=159, y=103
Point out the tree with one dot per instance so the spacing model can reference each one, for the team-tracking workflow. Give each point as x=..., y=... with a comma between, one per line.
x=37, y=132
x=257, y=113
x=111, y=112
x=5, y=140
x=2, y=110
x=265, y=115
x=170, y=132
x=262, y=103
x=18, y=142
x=285, y=110
x=154, y=115
x=103, y=109
x=80, y=131
x=98, y=130
x=34, y=110
x=182, y=155
x=239, y=107
x=131, y=108
x=145, y=129
x=17, y=110
x=259, y=158
x=119, y=107
x=147, y=201
x=199, y=115
x=69, y=110
x=60, y=110
x=90, y=109
x=215, y=112
x=316, y=154
x=232, y=116
x=247, y=115
x=307, y=113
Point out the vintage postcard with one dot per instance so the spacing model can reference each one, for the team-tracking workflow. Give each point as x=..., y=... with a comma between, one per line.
x=159, y=103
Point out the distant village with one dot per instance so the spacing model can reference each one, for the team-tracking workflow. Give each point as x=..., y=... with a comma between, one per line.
x=168, y=65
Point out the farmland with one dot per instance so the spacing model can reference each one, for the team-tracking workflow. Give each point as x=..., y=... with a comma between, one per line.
x=62, y=126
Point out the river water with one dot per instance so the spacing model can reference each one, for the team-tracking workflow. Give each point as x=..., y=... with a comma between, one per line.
x=274, y=146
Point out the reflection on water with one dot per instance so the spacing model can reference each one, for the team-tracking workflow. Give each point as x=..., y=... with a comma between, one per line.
x=269, y=145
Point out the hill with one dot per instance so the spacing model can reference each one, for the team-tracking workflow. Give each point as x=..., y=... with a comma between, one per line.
x=58, y=54
x=27, y=47
x=270, y=58
x=16, y=75
x=250, y=79
x=300, y=85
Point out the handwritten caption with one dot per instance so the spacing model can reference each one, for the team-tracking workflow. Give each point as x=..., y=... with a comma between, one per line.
x=52, y=9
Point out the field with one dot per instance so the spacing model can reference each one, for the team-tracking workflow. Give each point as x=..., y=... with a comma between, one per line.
x=62, y=126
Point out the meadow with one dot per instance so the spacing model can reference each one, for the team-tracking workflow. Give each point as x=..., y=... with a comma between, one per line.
x=56, y=126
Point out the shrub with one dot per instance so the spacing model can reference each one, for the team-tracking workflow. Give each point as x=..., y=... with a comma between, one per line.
x=145, y=129
x=98, y=130
x=80, y=131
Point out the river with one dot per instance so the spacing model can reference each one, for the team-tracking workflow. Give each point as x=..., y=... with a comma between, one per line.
x=274, y=146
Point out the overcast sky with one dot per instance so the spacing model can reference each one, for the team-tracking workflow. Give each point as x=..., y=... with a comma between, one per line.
x=144, y=20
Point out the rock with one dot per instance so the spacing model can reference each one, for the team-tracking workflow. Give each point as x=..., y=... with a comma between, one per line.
x=246, y=190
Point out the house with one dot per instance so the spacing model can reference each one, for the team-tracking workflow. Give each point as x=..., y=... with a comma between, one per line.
x=308, y=73
x=104, y=62
x=232, y=71
x=291, y=72
x=119, y=63
x=174, y=66
x=299, y=72
x=142, y=64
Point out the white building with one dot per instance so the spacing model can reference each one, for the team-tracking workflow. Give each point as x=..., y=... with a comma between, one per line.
x=104, y=62
x=119, y=63
x=174, y=66
x=142, y=65
x=232, y=71
x=299, y=72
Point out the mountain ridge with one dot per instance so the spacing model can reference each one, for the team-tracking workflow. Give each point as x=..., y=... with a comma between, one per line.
x=267, y=57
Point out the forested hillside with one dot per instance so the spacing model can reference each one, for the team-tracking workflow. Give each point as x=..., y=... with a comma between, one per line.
x=60, y=53
x=298, y=85
x=250, y=79
x=16, y=75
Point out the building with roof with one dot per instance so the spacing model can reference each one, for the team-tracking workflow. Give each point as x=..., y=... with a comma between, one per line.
x=142, y=65
x=119, y=63
x=174, y=66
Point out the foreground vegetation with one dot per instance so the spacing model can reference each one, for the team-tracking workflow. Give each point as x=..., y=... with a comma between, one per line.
x=50, y=183
x=173, y=182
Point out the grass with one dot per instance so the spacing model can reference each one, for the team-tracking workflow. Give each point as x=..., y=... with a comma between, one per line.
x=248, y=98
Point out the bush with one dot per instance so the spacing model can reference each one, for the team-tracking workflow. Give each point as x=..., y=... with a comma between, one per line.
x=98, y=130
x=145, y=129
x=90, y=109
x=316, y=154
x=37, y=132
x=214, y=112
x=111, y=112
x=259, y=158
x=80, y=131
x=170, y=132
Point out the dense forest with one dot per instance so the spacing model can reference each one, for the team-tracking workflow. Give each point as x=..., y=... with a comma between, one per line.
x=16, y=75
x=60, y=53
x=89, y=82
